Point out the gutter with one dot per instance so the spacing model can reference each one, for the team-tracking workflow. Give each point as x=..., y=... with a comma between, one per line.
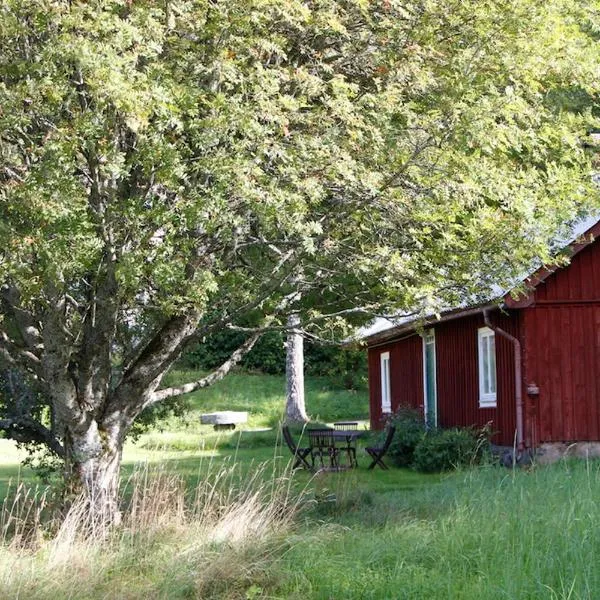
x=518, y=376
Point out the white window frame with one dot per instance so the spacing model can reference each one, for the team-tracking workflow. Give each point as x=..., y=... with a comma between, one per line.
x=487, y=394
x=386, y=392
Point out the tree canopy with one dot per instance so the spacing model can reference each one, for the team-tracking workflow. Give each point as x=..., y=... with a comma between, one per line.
x=168, y=169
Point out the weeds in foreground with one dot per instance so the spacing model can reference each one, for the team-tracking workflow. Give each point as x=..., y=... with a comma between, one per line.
x=173, y=542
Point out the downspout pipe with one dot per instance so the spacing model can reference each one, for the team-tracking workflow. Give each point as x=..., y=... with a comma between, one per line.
x=518, y=376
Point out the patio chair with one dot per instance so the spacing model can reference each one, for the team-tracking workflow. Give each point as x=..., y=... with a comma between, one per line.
x=300, y=454
x=378, y=452
x=322, y=443
x=350, y=447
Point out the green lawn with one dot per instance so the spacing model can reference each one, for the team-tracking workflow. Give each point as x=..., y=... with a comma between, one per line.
x=488, y=533
x=185, y=441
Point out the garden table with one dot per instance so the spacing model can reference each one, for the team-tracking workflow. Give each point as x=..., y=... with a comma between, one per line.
x=325, y=446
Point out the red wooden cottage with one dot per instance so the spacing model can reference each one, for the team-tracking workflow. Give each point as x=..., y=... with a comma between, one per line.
x=530, y=366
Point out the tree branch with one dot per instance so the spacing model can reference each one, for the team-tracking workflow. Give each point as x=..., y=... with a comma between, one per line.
x=215, y=376
x=24, y=321
x=26, y=429
x=14, y=355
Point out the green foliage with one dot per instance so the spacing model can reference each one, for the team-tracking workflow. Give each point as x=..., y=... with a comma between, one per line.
x=168, y=165
x=446, y=449
x=346, y=364
x=267, y=356
x=438, y=138
x=410, y=430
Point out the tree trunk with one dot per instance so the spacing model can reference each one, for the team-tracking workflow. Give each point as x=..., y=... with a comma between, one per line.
x=295, y=411
x=92, y=468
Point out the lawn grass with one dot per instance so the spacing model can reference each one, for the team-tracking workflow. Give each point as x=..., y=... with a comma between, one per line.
x=487, y=533
x=484, y=534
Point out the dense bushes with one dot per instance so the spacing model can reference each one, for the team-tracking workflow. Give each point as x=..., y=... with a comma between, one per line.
x=445, y=449
x=432, y=450
x=268, y=356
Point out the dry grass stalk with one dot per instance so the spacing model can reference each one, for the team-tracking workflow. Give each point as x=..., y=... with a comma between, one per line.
x=225, y=516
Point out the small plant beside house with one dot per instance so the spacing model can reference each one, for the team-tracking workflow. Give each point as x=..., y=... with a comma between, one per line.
x=446, y=449
x=410, y=430
x=433, y=450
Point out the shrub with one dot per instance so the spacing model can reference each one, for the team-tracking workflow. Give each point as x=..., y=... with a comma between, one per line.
x=346, y=364
x=445, y=449
x=410, y=429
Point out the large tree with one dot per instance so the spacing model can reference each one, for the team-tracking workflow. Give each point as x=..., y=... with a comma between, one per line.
x=169, y=168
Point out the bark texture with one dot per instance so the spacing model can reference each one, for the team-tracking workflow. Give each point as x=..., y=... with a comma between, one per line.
x=92, y=466
x=295, y=409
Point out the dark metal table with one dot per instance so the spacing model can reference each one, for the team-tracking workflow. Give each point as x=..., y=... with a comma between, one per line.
x=328, y=444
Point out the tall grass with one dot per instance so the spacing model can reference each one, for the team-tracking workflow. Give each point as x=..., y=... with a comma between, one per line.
x=217, y=540
x=487, y=533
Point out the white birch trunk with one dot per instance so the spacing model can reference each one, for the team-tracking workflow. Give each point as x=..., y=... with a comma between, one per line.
x=295, y=411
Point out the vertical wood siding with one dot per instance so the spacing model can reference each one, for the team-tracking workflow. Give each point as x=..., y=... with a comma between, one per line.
x=578, y=282
x=563, y=361
x=562, y=341
x=406, y=377
x=458, y=378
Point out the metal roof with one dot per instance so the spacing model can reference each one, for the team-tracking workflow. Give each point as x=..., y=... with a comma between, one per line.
x=384, y=329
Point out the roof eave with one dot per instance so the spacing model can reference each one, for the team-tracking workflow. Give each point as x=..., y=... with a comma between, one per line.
x=391, y=335
x=539, y=276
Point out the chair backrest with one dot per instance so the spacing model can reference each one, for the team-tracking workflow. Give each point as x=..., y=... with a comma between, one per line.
x=346, y=425
x=321, y=438
x=388, y=438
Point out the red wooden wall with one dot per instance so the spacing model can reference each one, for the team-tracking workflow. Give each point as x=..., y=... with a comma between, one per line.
x=406, y=377
x=562, y=353
x=457, y=376
x=458, y=379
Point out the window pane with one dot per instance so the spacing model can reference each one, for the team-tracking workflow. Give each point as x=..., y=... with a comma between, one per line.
x=385, y=383
x=485, y=365
x=492, y=363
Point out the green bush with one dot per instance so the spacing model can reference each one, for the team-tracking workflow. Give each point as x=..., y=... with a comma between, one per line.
x=445, y=449
x=410, y=429
x=348, y=365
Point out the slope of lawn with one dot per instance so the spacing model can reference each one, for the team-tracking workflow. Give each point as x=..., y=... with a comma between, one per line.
x=185, y=442
x=227, y=520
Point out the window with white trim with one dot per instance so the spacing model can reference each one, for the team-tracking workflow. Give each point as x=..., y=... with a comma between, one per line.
x=386, y=396
x=487, y=367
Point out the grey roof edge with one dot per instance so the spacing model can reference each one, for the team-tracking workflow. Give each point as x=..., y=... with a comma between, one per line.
x=409, y=328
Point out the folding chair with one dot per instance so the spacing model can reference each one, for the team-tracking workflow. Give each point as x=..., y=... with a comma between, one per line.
x=300, y=454
x=322, y=443
x=378, y=452
x=350, y=447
